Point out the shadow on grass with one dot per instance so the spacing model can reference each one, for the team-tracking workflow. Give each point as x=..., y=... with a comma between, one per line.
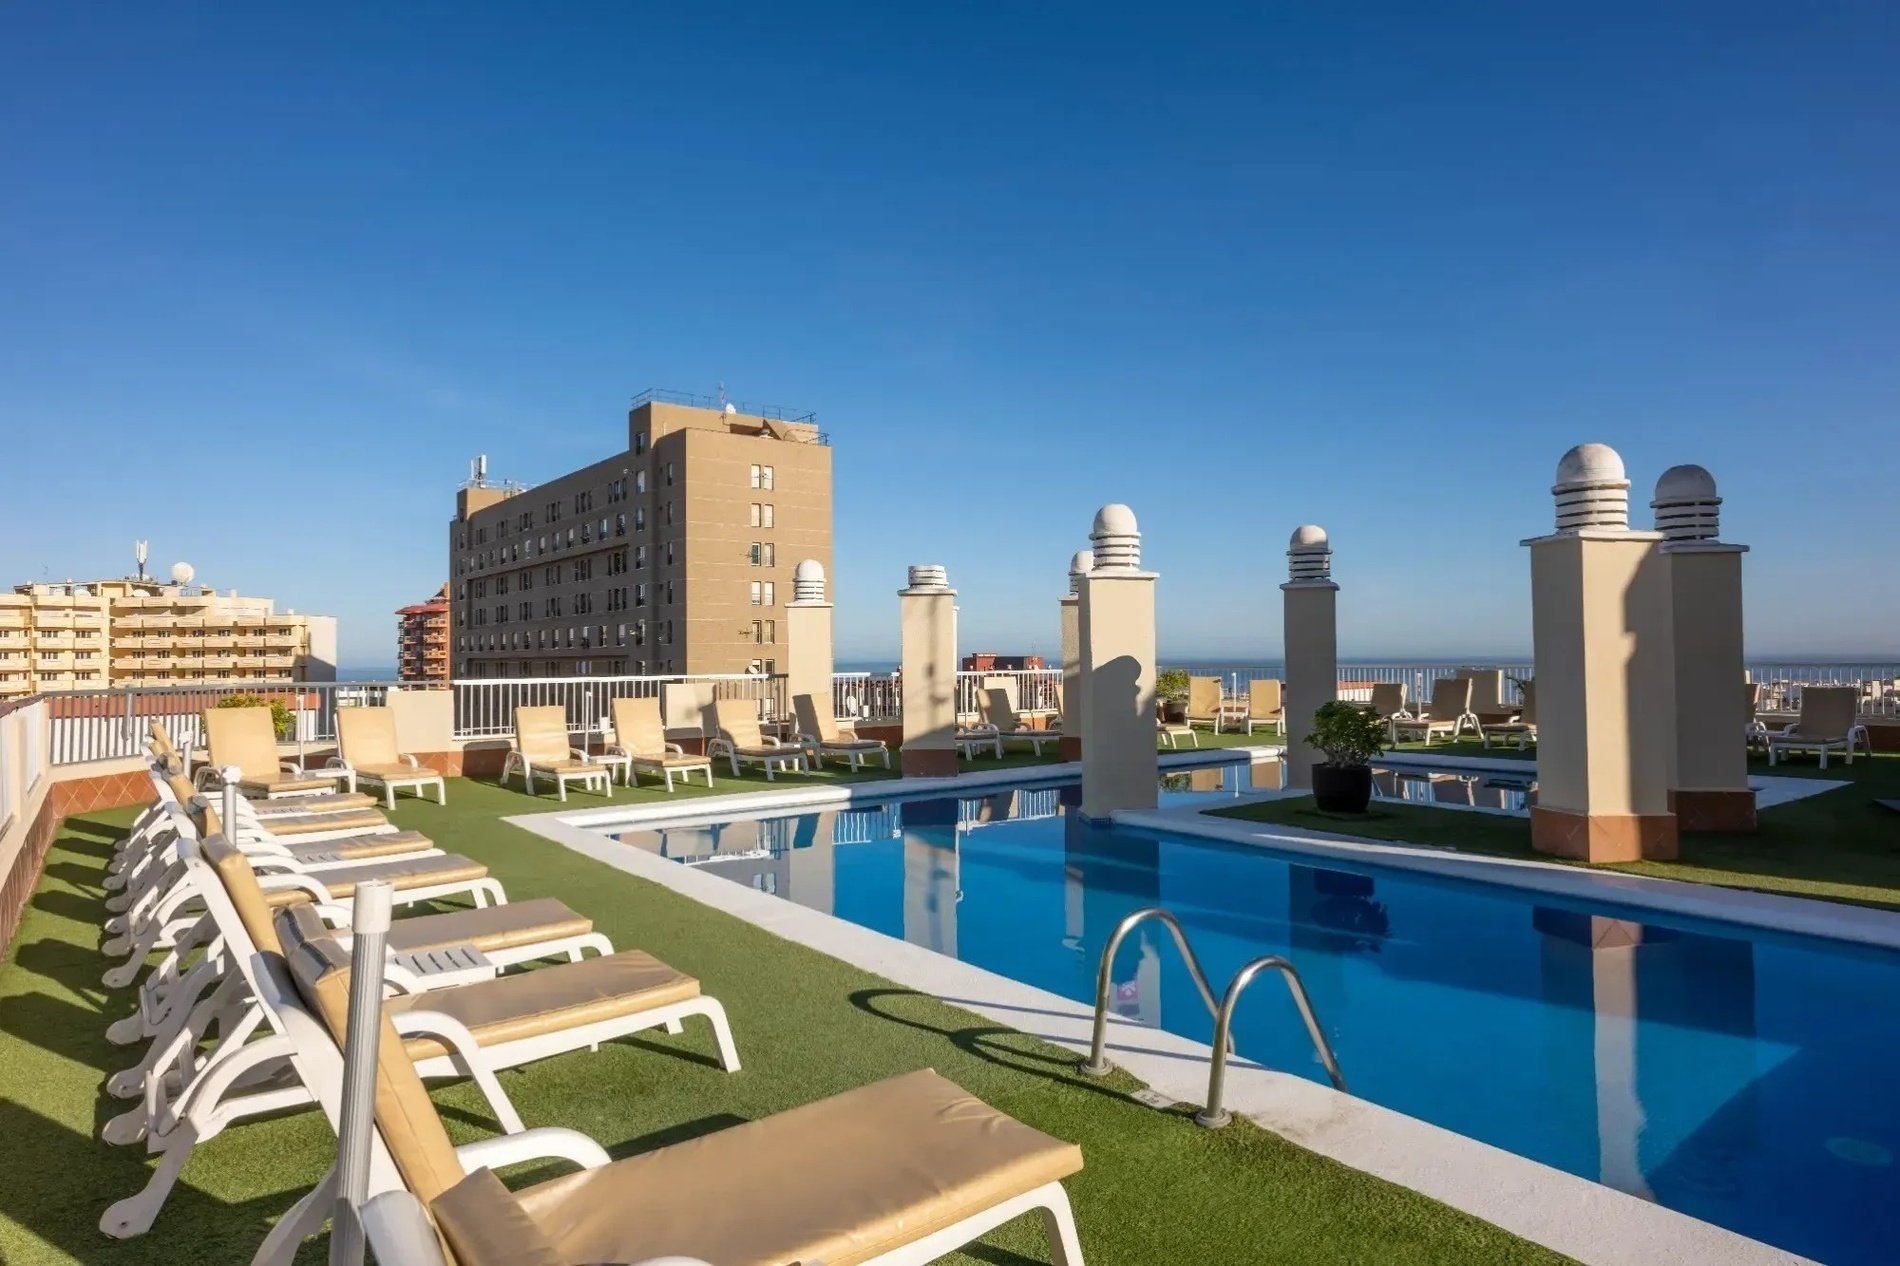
x=992, y=1043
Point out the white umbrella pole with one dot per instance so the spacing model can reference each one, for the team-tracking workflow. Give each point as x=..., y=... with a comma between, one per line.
x=370, y=930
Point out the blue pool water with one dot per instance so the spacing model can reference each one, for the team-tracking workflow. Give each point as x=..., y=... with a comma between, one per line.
x=1742, y=1077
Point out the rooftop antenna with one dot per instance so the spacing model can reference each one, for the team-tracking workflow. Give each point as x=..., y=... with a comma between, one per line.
x=139, y=552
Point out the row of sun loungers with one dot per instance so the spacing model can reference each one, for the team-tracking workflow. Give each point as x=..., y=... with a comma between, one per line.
x=230, y=912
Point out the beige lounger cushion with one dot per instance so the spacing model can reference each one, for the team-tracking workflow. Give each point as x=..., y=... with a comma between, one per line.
x=490, y=1228
x=240, y=884
x=308, y=823
x=541, y=735
x=854, y=745
x=551, y=999
x=332, y=802
x=362, y=847
x=763, y=751
x=423, y=872
x=276, y=786
x=672, y=760
x=405, y=1115
x=568, y=767
x=395, y=773
x=839, y=1181
x=245, y=737
x=490, y=928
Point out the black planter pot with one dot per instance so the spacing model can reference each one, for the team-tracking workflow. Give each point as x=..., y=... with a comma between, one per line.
x=1342, y=790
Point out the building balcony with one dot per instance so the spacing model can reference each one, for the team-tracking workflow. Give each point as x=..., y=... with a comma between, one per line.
x=53, y=619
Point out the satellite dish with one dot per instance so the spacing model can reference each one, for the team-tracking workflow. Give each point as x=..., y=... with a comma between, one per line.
x=182, y=573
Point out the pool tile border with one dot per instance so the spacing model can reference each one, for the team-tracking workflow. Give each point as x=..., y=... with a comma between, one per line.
x=1585, y=1220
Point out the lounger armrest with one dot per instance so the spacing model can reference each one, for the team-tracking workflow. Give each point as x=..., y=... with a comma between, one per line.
x=615, y=749
x=301, y=883
x=337, y=915
x=674, y=749
x=410, y=759
x=581, y=755
x=290, y=767
x=547, y=1142
x=337, y=762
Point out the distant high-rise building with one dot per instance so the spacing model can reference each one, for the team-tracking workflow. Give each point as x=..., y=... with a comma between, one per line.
x=673, y=556
x=422, y=640
x=91, y=635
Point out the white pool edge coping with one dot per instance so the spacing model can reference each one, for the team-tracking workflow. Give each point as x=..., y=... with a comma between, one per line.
x=1569, y=1214
x=754, y=802
x=1801, y=916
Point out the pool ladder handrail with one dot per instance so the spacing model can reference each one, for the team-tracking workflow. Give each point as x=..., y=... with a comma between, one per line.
x=1212, y=1115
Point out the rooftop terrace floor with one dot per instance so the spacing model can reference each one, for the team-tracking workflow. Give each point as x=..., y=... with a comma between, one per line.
x=1155, y=1189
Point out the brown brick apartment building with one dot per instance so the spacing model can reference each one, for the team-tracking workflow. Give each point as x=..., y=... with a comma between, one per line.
x=674, y=556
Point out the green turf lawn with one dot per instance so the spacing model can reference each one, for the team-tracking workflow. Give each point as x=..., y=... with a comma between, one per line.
x=1837, y=846
x=1156, y=1187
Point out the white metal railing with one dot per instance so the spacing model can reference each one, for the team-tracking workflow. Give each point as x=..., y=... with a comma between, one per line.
x=23, y=755
x=485, y=707
x=1879, y=683
x=878, y=696
x=88, y=725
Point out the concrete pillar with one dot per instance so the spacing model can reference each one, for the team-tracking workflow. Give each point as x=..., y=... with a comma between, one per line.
x=1711, y=791
x=1311, y=629
x=808, y=655
x=1070, y=746
x=1116, y=632
x=927, y=615
x=1602, y=630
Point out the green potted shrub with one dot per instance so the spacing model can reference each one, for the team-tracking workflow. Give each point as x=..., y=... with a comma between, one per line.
x=1171, y=688
x=1350, y=736
x=280, y=718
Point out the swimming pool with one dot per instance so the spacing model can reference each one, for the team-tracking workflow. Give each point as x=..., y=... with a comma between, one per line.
x=1736, y=1075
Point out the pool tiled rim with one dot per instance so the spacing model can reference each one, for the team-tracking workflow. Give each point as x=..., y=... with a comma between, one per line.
x=1572, y=1215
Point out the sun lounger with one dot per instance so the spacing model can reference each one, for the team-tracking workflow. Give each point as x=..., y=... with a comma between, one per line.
x=541, y=746
x=1171, y=732
x=914, y=1168
x=1265, y=705
x=247, y=738
x=640, y=742
x=1522, y=727
x=1009, y=725
x=823, y=736
x=1448, y=714
x=1388, y=704
x=366, y=746
x=1204, y=702
x=740, y=739
x=1828, y=723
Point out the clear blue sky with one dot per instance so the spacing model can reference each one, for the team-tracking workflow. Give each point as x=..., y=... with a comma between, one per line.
x=270, y=275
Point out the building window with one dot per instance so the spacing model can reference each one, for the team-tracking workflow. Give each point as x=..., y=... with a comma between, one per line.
x=771, y=555
x=639, y=443
x=757, y=516
x=669, y=474
x=762, y=477
x=669, y=514
x=639, y=557
x=639, y=595
x=640, y=482
x=757, y=591
x=620, y=525
x=639, y=518
x=756, y=555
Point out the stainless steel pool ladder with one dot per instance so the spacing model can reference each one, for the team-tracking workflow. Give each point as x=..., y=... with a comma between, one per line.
x=1213, y=1115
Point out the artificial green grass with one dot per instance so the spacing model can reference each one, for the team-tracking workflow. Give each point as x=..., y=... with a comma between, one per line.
x=1156, y=1187
x=1835, y=846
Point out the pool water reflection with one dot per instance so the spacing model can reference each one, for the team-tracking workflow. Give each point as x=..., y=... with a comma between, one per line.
x=1740, y=1077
